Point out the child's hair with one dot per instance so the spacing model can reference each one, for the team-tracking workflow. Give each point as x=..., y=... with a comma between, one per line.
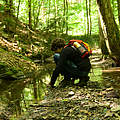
x=57, y=43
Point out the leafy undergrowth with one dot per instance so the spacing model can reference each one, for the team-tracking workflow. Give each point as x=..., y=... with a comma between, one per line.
x=76, y=103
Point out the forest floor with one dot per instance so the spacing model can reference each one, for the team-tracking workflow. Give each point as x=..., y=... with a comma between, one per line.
x=75, y=103
x=91, y=102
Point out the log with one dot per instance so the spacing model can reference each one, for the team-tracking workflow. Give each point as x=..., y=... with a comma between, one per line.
x=114, y=69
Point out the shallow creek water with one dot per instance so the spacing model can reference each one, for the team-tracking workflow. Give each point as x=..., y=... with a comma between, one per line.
x=16, y=96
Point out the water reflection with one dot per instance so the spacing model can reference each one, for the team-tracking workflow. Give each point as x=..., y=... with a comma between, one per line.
x=96, y=74
x=16, y=96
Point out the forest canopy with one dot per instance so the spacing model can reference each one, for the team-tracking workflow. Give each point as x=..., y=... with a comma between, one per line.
x=71, y=16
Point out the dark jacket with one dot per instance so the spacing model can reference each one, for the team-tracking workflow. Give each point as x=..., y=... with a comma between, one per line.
x=63, y=67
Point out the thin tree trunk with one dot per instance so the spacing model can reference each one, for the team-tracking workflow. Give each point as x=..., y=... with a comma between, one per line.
x=37, y=18
x=55, y=15
x=64, y=14
x=89, y=16
x=30, y=16
x=34, y=16
x=49, y=14
x=17, y=15
x=87, y=22
x=18, y=9
x=66, y=17
x=11, y=7
x=35, y=89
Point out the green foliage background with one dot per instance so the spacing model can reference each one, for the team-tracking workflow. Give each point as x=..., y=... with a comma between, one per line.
x=52, y=11
x=76, y=15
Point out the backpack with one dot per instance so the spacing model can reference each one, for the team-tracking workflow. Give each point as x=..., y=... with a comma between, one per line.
x=81, y=47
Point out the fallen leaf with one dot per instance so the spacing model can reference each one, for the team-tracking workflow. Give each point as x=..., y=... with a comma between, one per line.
x=85, y=111
x=108, y=114
x=116, y=108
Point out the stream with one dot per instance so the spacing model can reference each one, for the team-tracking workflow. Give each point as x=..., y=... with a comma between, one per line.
x=17, y=96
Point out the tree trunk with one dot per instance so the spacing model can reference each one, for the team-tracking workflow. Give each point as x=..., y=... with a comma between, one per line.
x=118, y=2
x=102, y=39
x=88, y=14
x=87, y=22
x=18, y=9
x=30, y=16
x=17, y=15
x=38, y=13
x=66, y=17
x=49, y=14
x=11, y=7
x=9, y=12
x=55, y=16
x=90, y=17
x=111, y=31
